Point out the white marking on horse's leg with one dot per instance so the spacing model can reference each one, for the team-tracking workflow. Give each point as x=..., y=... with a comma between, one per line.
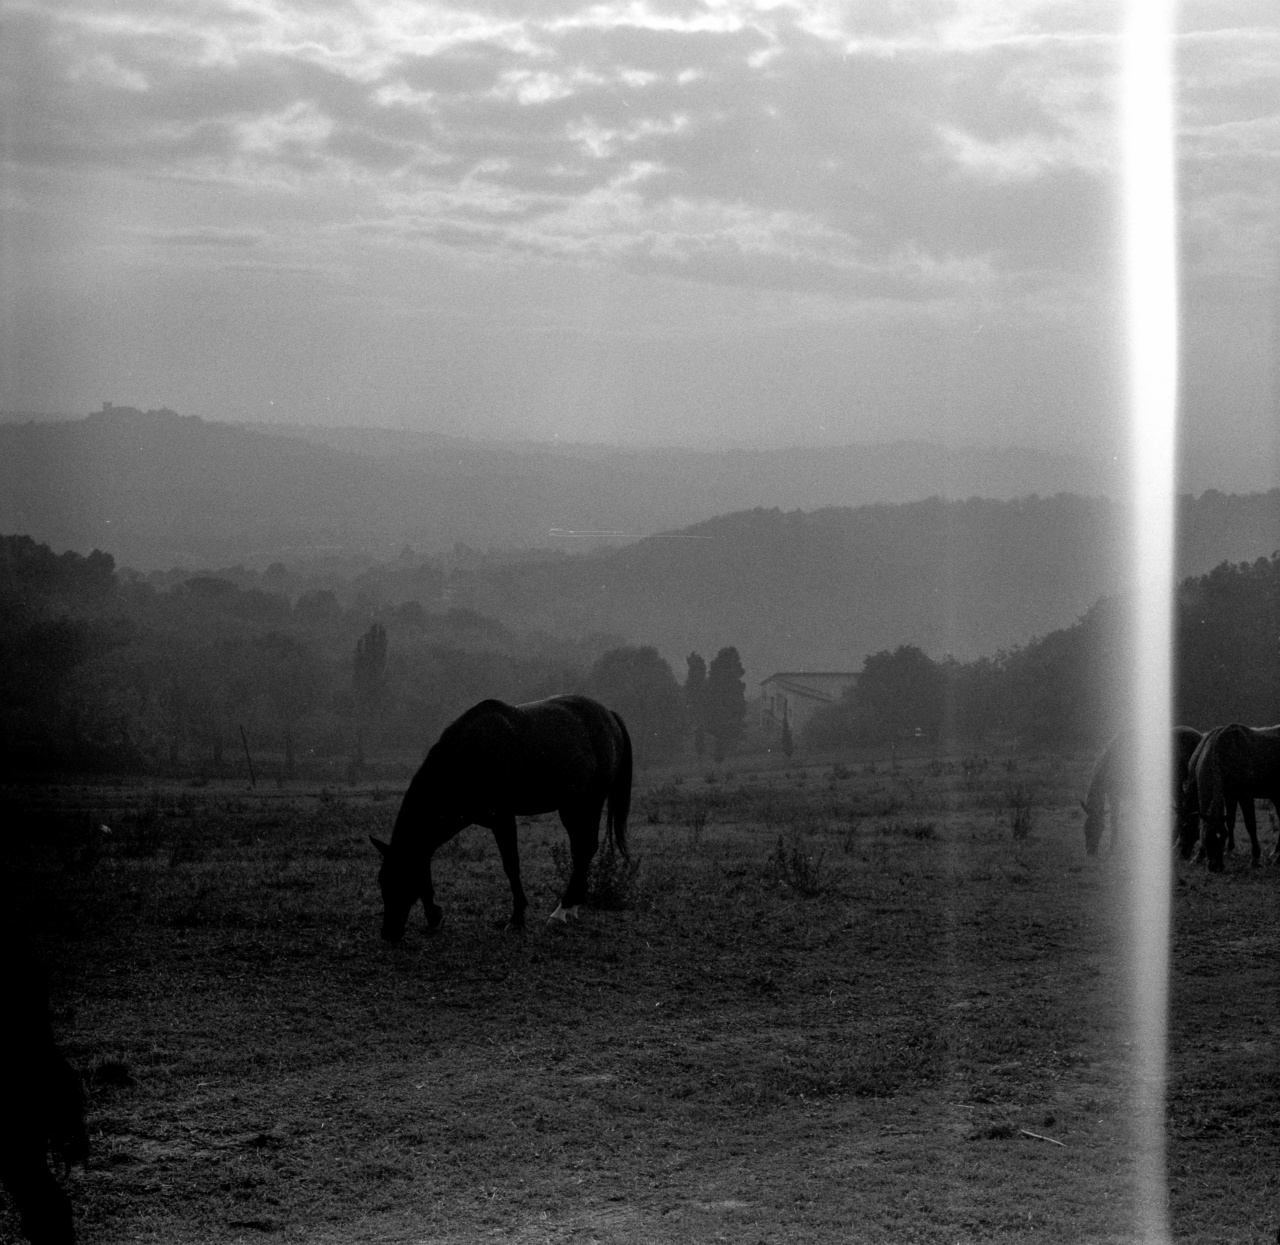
x=576, y=912
x=561, y=914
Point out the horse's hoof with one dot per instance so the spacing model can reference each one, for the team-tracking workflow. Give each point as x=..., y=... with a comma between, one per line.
x=562, y=914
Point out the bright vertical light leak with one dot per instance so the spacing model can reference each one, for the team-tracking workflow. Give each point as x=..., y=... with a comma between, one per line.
x=1152, y=318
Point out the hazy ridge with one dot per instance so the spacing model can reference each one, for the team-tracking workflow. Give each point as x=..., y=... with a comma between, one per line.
x=791, y=588
x=823, y=589
x=158, y=489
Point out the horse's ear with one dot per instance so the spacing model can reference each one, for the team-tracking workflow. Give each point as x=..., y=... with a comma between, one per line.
x=380, y=845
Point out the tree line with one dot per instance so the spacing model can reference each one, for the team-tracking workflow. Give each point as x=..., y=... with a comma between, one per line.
x=102, y=670
x=1068, y=688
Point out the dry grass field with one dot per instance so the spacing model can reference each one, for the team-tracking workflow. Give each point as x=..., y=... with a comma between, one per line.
x=839, y=1004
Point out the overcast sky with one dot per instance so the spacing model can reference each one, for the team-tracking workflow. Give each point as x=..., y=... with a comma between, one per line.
x=639, y=221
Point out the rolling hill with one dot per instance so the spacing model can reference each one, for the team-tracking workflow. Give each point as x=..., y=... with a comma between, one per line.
x=160, y=490
x=821, y=590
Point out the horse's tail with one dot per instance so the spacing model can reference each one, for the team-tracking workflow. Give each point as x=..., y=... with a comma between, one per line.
x=620, y=793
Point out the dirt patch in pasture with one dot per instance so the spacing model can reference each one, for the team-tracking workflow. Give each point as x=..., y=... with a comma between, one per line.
x=842, y=1005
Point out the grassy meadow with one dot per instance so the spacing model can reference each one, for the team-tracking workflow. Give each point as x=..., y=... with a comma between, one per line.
x=835, y=1002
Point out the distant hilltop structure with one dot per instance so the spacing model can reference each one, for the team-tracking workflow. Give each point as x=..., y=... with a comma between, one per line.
x=111, y=411
x=793, y=696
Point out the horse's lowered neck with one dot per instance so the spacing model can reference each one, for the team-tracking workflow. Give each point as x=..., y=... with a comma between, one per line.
x=1095, y=801
x=421, y=828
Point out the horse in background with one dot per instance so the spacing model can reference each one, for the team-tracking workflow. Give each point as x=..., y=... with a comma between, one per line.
x=41, y=1105
x=1112, y=776
x=1232, y=765
x=567, y=754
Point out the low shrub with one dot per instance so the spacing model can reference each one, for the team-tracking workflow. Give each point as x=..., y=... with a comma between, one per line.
x=611, y=884
x=800, y=869
x=1018, y=801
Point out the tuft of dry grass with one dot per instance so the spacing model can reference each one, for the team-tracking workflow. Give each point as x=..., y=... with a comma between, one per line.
x=1021, y=813
x=798, y=866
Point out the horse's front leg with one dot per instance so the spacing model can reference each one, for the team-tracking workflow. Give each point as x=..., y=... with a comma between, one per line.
x=435, y=913
x=504, y=834
x=446, y=830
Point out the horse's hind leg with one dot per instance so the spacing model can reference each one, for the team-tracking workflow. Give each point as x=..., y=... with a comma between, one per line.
x=1230, y=804
x=584, y=839
x=504, y=834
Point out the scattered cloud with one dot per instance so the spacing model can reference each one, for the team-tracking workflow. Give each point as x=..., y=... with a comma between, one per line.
x=929, y=158
x=758, y=128
x=201, y=237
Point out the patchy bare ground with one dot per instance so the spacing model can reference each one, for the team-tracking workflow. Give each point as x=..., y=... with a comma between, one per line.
x=837, y=1007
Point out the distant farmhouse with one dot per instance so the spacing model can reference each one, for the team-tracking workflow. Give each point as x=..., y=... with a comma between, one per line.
x=794, y=696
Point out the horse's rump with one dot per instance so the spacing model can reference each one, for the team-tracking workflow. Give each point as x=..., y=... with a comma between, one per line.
x=1238, y=760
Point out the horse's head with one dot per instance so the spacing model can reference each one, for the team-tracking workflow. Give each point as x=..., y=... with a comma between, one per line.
x=400, y=888
x=1215, y=842
x=1188, y=821
x=1093, y=826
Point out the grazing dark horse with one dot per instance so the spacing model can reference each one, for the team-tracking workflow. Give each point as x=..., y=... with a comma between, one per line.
x=41, y=1106
x=1189, y=823
x=1233, y=765
x=1111, y=777
x=567, y=754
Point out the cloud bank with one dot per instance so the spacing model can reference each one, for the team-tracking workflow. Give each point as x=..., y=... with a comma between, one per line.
x=907, y=172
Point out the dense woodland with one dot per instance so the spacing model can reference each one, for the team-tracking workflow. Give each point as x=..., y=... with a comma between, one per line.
x=311, y=673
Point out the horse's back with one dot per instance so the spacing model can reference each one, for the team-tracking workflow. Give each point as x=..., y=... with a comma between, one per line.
x=1253, y=757
x=529, y=758
x=1266, y=746
x=560, y=713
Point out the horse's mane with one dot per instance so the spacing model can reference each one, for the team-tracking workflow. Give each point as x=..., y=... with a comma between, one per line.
x=484, y=708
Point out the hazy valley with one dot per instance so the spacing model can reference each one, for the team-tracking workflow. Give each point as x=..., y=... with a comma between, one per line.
x=749, y=549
